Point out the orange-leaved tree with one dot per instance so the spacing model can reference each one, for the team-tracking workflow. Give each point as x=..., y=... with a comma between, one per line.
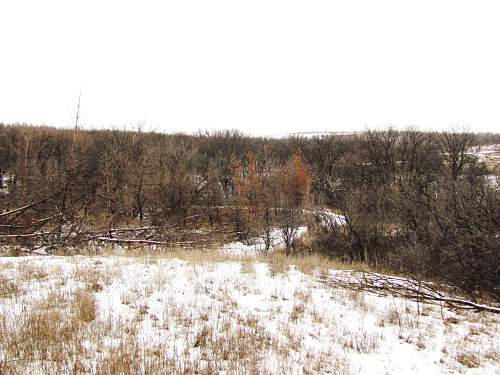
x=294, y=186
x=253, y=196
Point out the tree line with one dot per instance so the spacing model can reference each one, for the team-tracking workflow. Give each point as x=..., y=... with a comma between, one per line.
x=413, y=201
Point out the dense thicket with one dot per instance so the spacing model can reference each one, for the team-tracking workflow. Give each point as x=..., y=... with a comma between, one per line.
x=417, y=202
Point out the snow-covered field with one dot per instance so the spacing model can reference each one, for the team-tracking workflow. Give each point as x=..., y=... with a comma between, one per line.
x=488, y=152
x=204, y=314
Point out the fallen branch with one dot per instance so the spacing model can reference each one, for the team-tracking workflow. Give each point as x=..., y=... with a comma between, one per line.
x=146, y=242
x=29, y=205
x=131, y=241
x=415, y=290
x=73, y=234
x=38, y=234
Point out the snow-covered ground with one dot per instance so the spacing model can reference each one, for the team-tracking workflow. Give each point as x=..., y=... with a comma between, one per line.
x=116, y=314
x=3, y=183
x=256, y=246
x=487, y=152
x=493, y=180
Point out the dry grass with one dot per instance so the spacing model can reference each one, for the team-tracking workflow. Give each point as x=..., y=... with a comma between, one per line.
x=362, y=341
x=7, y=287
x=308, y=264
x=468, y=359
x=27, y=271
x=40, y=335
x=278, y=261
x=247, y=268
x=84, y=306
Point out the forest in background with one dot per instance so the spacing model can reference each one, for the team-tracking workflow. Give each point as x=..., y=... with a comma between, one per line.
x=418, y=203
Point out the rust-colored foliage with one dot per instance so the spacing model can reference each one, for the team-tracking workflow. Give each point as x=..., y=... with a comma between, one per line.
x=294, y=180
x=248, y=184
x=302, y=176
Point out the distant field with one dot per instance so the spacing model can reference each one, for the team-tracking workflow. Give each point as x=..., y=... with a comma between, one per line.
x=490, y=154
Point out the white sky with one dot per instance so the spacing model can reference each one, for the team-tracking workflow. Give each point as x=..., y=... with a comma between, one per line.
x=265, y=67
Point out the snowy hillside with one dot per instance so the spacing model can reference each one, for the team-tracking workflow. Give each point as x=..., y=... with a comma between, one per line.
x=111, y=315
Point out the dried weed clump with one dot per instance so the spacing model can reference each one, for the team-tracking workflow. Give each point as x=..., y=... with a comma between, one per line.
x=362, y=341
x=28, y=271
x=468, y=359
x=39, y=335
x=84, y=306
x=8, y=288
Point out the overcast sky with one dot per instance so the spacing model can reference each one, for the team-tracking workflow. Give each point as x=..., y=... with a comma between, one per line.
x=264, y=67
